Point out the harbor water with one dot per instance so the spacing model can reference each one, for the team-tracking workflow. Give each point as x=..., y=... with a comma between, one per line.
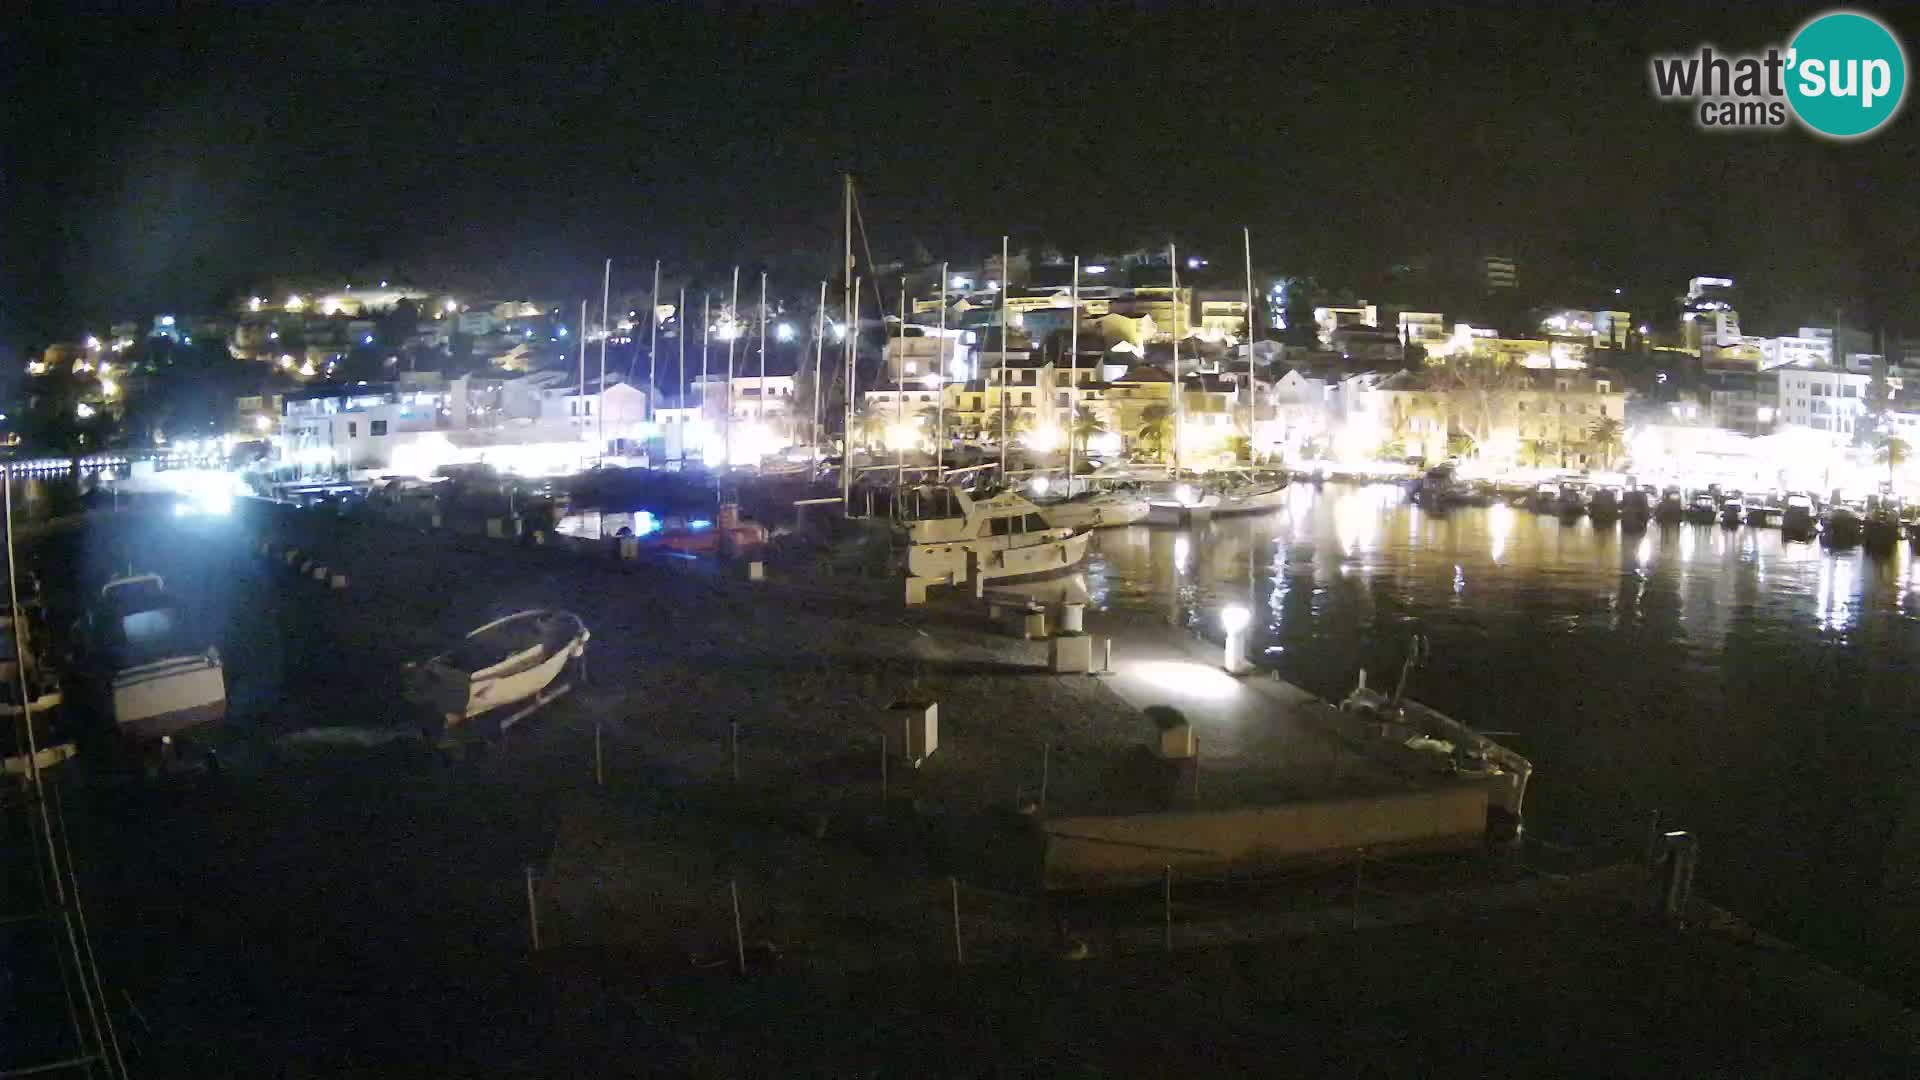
x=1758, y=692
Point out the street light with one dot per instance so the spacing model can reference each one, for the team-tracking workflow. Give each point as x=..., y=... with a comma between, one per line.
x=1234, y=619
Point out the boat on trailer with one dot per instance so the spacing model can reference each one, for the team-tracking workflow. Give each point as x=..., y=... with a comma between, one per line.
x=509, y=665
x=156, y=676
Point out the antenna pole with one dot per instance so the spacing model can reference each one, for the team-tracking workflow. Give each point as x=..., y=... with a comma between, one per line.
x=940, y=436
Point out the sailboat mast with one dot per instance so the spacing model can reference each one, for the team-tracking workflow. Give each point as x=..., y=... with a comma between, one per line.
x=846, y=309
x=680, y=384
x=900, y=402
x=1073, y=365
x=940, y=421
x=1004, y=433
x=733, y=332
x=846, y=457
x=706, y=326
x=1179, y=391
x=653, y=340
x=1246, y=237
x=760, y=410
x=581, y=389
x=819, y=350
x=606, y=331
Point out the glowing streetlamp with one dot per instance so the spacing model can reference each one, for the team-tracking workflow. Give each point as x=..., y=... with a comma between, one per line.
x=1234, y=621
x=783, y=332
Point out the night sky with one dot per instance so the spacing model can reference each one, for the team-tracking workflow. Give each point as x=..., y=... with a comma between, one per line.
x=159, y=160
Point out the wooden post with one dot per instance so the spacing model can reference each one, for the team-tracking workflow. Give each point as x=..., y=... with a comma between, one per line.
x=1167, y=906
x=959, y=948
x=533, y=911
x=739, y=939
x=1046, y=763
x=733, y=740
x=599, y=759
x=1108, y=666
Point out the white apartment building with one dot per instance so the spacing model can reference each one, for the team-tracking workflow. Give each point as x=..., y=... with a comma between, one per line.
x=1423, y=328
x=1823, y=399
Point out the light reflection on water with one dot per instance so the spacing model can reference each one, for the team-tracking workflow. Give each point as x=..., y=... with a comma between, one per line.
x=1755, y=690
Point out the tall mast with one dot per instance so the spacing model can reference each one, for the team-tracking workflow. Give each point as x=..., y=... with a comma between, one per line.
x=848, y=342
x=680, y=399
x=760, y=411
x=653, y=339
x=582, y=388
x=1004, y=288
x=1246, y=236
x=1179, y=391
x=606, y=331
x=733, y=328
x=900, y=401
x=940, y=422
x=819, y=350
x=1073, y=366
x=706, y=327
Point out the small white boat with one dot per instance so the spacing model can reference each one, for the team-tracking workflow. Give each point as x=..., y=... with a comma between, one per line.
x=1253, y=495
x=1000, y=538
x=1181, y=504
x=507, y=662
x=158, y=676
x=1096, y=510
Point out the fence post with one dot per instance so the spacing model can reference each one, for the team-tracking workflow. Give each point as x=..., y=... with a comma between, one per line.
x=1167, y=906
x=1046, y=769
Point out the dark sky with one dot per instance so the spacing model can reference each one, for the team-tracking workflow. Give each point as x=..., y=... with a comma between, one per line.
x=160, y=158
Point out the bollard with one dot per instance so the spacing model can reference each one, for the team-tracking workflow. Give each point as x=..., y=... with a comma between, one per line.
x=1034, y=626
x=1108, y=665
x=629, y=548
x=756, y=571
x=320, y=573
x=339, y=581
x=1072, y=617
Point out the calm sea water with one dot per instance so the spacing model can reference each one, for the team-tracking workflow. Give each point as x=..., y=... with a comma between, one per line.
x=1759, y=692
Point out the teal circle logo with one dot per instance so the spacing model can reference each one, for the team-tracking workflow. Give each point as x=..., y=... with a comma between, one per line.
x=1847, y=74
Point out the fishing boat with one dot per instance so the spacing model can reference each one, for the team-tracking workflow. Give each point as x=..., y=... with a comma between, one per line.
x=1840, y=526
x=1440, y=489
x=1449, y=746
x=1672, y=507
x=1572, y=500
x=1099, y=503
x=1703, y=508
x=1605, y=505
x=1799, y=520
x=1733, y=510
x=1251, y=494
x=153, y=674
x=1546, y=498
x=513, y=661
x=1880, y=530
x=1181, y=504
x=1636, y=508
x=999, y=537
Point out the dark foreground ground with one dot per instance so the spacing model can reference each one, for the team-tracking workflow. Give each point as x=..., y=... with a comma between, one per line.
x=342, y=900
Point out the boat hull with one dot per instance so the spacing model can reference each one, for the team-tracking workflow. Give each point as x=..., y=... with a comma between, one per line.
x=169, y=696
x=459, y=694
x=963, y=560
x=1095, y=514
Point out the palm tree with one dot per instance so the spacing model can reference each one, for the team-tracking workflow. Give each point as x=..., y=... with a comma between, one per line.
x=1893, y=451
x=1086, y=424
x=1604, y=436
x=1156, y=431
x=1461, y=443
x=1015, y=423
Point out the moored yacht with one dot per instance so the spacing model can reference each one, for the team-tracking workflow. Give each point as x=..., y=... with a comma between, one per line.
x=1002, y=537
